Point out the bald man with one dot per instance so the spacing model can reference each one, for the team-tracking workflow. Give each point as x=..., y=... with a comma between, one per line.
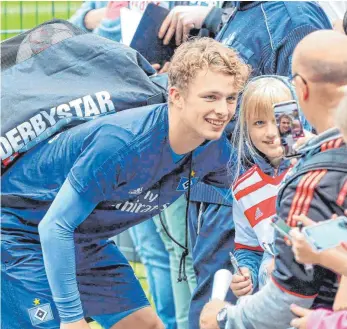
x=319, y=73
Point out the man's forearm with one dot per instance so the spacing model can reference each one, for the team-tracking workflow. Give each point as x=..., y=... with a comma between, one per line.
x=267, y=309
x=94, y=17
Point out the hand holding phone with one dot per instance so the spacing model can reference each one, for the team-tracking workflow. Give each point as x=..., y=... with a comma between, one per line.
x=281, y=227
x=327, y=234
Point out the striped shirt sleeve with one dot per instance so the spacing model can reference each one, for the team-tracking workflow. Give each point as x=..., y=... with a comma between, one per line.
x=314, y=194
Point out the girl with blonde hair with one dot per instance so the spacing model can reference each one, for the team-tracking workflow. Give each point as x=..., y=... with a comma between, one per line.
x=257, y=141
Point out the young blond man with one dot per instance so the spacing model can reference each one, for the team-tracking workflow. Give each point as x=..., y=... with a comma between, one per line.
x=66, y=198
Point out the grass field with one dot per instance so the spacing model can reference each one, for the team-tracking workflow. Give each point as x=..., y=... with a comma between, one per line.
x=18, y=16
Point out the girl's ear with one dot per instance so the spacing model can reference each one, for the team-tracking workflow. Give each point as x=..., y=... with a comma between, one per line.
x=176, y=97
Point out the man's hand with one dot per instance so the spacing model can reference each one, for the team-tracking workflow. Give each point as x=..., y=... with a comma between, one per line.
x=303, y=252
x=300, y=142
x=81, y=324
x=161, y=69
x=208, y=316
x=180, y=21
x=302, y=313
x=242, y=285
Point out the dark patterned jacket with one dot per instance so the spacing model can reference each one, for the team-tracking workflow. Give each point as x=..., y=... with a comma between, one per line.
x=318, y=194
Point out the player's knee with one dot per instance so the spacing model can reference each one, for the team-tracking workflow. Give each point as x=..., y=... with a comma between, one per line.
x=154, y=323
x=145, y=318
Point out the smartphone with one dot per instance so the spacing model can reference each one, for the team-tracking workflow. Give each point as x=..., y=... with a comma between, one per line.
x=327, y=234
x=290, y=128
x=281, y=226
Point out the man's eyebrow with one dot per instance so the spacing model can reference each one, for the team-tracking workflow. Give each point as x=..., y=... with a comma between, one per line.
x=217, y=92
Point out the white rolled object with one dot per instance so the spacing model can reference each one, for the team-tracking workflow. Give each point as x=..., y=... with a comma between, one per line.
x=221, y=283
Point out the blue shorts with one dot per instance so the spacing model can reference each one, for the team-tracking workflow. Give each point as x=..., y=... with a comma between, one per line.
x=108, y=293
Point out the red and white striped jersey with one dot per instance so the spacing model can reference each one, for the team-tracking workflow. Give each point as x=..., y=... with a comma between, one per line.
x=254, y=205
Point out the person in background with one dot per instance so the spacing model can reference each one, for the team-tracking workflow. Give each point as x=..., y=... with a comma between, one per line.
x=104, y=18
x=100, y=17
x=285, y=123
x=335, y=10
x=255, y=191
x=285, y=131
x=272, y=52
x=319, y=71
x=295, y=114
x=297, y=130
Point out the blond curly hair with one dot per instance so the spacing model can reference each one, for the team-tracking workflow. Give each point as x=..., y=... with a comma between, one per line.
x=205, y=53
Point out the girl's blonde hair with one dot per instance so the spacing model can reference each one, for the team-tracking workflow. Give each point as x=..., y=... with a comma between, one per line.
x=257, y=102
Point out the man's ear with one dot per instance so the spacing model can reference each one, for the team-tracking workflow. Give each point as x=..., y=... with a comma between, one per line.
x=306, y=91
x=302, y=89
x=176, y=97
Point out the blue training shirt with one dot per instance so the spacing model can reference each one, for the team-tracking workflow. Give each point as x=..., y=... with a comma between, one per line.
x=116, y=171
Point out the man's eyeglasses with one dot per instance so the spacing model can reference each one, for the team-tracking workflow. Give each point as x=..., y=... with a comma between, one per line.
x=292, y=79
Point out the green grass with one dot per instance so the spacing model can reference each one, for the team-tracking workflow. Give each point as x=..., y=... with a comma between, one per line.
x=18, y=16
x=140, y=272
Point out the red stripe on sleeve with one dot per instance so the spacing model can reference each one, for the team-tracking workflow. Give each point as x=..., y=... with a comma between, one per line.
x=309, y=198
x=239, y=246
x=341, y=198
x=300, y=189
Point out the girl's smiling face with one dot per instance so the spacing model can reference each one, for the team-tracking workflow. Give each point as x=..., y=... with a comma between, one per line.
x=263, y=133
